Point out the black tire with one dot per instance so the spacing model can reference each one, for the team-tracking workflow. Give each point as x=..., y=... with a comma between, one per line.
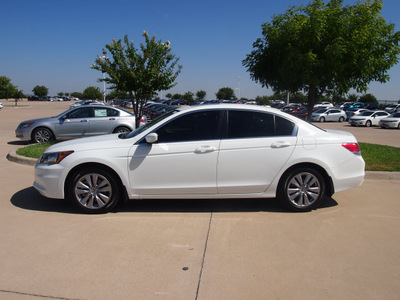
x=42, y=135
x=368, y=124
x=341, y=119
x=302, y=189
x=93, y=190
x=122, y=129
x=322, y=119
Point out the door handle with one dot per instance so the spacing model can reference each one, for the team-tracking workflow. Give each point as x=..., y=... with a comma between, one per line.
x=280, y=145
x=111, y=119
x=83, y=121
x=205, y=149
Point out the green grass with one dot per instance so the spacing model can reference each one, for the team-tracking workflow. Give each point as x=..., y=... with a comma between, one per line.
x=380, y=158
x=34, y=150
x=377, y=157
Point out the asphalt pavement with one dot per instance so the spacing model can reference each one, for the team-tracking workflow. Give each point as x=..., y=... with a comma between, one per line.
x=195, y=249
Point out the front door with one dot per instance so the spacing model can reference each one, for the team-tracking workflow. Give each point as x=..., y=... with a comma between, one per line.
x=183, y=161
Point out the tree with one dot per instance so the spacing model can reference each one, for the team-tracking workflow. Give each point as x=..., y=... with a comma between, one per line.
x=40, y=90
x=225, y=93
x=77, y=95
x=201, y=95
x=189, y=96
x=60, y=94
x=352, y=97
x=141, y=73
x=7, y=89
x=177, y=96
x=368, y=98
x=169, y=96
x=92, y=92
x=322, y=47
x=263, y=100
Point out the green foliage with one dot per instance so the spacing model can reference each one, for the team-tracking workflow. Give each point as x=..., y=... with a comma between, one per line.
x=177, y=96
x=368, y=98
x=380, y=158
x=321, y=48
x=225, y=93
x=35, y=150
x=77, y=95
x=169, y=96
x=40, y=91
x=140, y=72
x=7, y=89
x=263, y=100
x=60, y=94
x=189, y=96
x=117, y=95
x=201, y=95
x=92, y=92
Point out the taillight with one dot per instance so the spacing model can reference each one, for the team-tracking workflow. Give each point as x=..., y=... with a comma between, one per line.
x=353, y=147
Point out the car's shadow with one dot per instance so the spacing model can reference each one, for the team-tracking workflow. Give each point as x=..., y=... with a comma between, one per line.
x=30, y=199
x=19, y=143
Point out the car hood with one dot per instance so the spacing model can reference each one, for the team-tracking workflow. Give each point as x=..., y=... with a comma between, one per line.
x=91, y=143
x=39, y=120
x=390, y=119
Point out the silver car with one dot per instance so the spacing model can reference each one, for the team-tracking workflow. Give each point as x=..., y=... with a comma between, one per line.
x=82, y=121
x=330, y=114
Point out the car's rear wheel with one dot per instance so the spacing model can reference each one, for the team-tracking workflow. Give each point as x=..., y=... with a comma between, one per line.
x=322, y=119
x=302, y=189
x=93, y=190
x=42, y=135
x=368, y=123
x=122, y=129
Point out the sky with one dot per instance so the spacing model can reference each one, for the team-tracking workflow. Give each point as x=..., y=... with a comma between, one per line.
x=54, y=43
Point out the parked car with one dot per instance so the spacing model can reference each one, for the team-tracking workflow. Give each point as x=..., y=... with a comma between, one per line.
x=353, y=105
x=87, y=102
x=324, y=104
x=203, y=152
x=392, y=108
x=330, y=114
x=82, y=121
x=1, y=105
x=391, y=121
x=368, y=118
x=354, y=112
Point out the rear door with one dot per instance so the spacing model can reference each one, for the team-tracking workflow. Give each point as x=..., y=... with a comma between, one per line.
x=103, y=121
x=254, y=150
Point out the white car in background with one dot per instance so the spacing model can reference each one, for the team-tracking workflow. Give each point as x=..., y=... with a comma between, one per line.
x=204, y=152
x=1, y=105
x=392, y=121
x=368, y=118
x=328, y=114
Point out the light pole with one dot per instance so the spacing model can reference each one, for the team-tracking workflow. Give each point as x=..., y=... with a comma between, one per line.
x=239, y=86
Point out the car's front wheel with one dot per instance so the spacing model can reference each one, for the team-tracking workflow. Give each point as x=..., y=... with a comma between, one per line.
x=42, y=135
x=322, y=119
x=368, y=124
x=302, y=189
x=93, y=190
x=341, y=119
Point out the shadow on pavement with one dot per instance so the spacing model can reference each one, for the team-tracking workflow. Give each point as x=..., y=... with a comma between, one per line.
x=30, y=199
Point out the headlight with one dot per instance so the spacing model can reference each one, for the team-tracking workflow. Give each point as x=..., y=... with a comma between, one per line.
x=25, y=124
x=53, y=157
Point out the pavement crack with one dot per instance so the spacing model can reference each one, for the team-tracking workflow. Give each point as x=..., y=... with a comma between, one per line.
x=36, y=295
x=204, y=256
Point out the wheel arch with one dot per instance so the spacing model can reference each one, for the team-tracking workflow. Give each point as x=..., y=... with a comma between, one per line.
x=94, y=165
x=329, y=187
x=44, y=127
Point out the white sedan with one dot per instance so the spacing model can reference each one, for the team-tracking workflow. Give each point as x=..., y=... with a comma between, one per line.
x=368, y=118
x=328, y=114
x=202, y=152
x=392, y=121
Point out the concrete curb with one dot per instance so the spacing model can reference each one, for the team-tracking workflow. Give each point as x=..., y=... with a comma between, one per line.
x=14, y=157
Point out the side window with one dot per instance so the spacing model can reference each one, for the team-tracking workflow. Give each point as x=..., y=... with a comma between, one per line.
x=191, y=127
x=283, y=127
x=112, y=112
x=84, y=112
x=247, y=124
x=100, y=112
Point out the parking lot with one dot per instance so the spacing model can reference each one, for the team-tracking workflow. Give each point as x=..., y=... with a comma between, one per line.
x=196, y=249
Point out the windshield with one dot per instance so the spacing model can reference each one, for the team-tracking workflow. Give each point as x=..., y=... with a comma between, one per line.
x=148, y=125
x=366, y=113
x=320, y=111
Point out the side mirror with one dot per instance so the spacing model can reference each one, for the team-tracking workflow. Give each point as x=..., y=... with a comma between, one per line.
x=151, y=138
